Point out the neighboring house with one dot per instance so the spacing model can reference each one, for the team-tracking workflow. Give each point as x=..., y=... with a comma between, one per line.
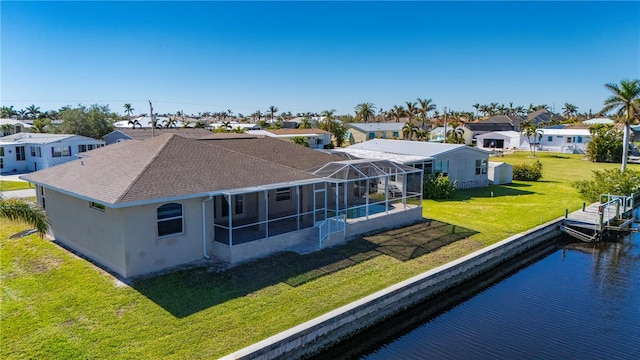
x=360, y=132
x=146, y=133
x=233, y=125
x=496, y=123
x=567, y=140
x=144, y=122
x=438, y=134
x=12, y=126
x=605, y=121
x=177, y=200
x=635, y=134
x=465, y=165
x=544, y=116
x=499, y=140
x=317, y=138
x=25, y=152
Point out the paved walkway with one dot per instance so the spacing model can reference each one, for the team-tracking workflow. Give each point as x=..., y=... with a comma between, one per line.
x=16, y=193
x=19, y=193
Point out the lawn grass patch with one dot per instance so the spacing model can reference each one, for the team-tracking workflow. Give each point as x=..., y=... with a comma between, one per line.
x=7, y=185
x=56, y=305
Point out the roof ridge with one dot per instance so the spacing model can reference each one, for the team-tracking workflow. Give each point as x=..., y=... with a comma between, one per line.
x=151, y=161
x=258, y=158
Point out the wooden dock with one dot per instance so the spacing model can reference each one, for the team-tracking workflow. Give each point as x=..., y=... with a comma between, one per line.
x=615, y=213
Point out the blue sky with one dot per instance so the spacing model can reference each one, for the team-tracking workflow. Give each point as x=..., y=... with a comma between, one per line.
x=314, y=56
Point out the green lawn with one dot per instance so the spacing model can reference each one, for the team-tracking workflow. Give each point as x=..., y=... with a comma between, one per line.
x=56, y=305
x=6, y=185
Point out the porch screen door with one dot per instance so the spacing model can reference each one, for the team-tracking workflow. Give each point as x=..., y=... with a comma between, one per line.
x=319, y=205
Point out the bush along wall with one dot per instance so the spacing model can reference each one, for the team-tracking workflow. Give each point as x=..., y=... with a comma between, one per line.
x=438, y=186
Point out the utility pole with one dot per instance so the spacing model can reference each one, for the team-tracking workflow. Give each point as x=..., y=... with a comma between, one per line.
x=153, y=125
x=444, y=140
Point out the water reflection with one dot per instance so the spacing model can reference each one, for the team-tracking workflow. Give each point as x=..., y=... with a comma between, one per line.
x=579, y=302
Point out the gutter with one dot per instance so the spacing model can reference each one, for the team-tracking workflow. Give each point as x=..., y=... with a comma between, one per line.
x=204, y=228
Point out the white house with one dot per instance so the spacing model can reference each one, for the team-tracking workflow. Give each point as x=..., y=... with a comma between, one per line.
x=465, y=165
x=26, y=152
x=12, y=126
x=565, y=140
x=317, y=138
x=500, y=140
x=177, y=200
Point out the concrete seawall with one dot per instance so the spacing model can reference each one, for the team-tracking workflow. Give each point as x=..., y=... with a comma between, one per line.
x=328, y=329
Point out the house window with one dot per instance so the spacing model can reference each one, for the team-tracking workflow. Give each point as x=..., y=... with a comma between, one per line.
x=82, y=148
x=60, y=151
x=549, y=138
x=318, y=141
x=441, y=166
x=20, y=155
x=35, y=151
x=579, y=139
x=372, y=135
x=396, y=134
x=384, y=135
x=569, y=139
x=481, y=166
x=1, y=163
x=239, y=204
x=169, y=219
x=1, y=151
x=97, y=206
x=42, y=197
x=283, y=194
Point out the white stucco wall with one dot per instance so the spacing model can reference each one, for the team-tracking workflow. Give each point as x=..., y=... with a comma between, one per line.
x=145, y=252
x=462, y=167
x=95, y=234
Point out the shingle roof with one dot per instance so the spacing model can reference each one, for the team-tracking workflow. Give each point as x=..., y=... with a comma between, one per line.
x=166, y=166
x=277, y=151
x=542, y=116
x=297, y=131
x=417, y=148
x=146, y=133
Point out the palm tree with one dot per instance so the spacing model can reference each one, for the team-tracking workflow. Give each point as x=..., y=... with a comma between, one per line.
x=171, y=122
x=33, y=111
x=456, y=135
x=397, y=112
x=569, y=110
x=22, y=114
x=7, y=112
x=531, y=131
x=273, y=110
x=128, y=109
x=412, y=110
x=22, y=210
x=327, y=122
x=365, y=111
x=626, y=101
x=476, y=106
x=408, y=130
x=305, y=123
x=426, y=106
x=39, y=126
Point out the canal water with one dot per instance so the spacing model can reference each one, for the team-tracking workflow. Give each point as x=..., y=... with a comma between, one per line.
x=578, y=301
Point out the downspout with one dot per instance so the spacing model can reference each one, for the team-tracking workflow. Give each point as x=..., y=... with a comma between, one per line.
x=204, y=228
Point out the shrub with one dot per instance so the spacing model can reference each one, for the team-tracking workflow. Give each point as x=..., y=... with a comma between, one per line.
x=611, y=181
x=438, y=186
x=527, y=172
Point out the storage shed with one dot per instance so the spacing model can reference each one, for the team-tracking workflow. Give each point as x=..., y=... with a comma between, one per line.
x=500, y=173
